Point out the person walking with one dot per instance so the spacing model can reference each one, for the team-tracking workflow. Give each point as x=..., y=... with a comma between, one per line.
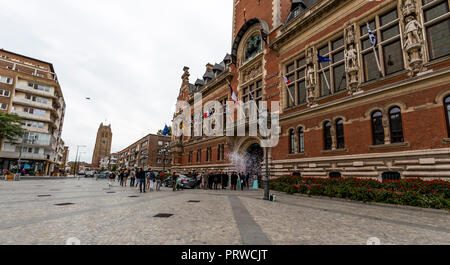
x=125, y=177
x=140, y=175
x=112, y=177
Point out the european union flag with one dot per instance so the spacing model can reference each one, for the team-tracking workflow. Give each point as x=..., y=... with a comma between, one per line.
x=166, y=130
x=323, y=59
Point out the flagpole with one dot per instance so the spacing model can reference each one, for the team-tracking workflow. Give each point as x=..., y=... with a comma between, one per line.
x=375, y=51
x=377, y=60
x=324, y=76
x=289, y=91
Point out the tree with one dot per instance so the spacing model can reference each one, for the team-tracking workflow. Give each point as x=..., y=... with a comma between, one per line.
x=169, y=133
x=10, y=127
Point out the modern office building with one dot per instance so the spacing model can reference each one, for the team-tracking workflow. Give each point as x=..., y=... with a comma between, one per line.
x=363, y=89
x=29, y=87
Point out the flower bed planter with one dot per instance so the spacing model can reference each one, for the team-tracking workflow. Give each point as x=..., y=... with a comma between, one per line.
x=411, y=192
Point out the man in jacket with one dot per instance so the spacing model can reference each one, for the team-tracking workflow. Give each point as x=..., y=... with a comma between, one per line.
x=140, y=175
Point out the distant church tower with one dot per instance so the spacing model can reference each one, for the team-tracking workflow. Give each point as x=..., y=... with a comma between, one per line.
x=102, y=144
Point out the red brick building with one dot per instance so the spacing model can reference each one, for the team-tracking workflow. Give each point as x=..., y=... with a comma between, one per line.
x=379, y=107
x=147, y=153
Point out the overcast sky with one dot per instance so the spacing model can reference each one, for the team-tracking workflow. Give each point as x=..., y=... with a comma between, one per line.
x=127, y=55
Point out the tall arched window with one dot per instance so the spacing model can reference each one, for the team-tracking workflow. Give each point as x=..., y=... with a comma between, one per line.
x=301, y=140
x=340, y=143
x=291, y=141
x=395, y=120
x=377, y=128
x=328, y=142
x=447, y=113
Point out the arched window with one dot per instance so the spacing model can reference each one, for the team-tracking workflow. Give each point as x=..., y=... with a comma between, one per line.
x=340, y=134
x=447, y=113
x=377, y=128
x=301, y=140
x=328, y=142
x=291, y=141
x=253, y=47
x=395, y=120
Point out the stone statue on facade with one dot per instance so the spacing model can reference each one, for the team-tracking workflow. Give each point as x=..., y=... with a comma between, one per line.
x=412, y=37
x=351, y=60
x=310, y=75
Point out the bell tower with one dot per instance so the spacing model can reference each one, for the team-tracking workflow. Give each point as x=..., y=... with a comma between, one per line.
x=102, y=144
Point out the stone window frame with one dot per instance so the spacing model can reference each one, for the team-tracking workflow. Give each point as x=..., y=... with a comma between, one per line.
x=251, y=32
x=333, y=133
x=426, y=24
x=221, y=152
x=297, y=131
x=377, y=31
x=446, y=102
x=386, y=123
x=291, y=141
x=209, y=154
x=190, y=157
x=331, y=66
x=390, y=113
x=299, y=64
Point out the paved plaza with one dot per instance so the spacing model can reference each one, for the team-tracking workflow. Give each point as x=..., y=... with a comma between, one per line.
x=29, y=214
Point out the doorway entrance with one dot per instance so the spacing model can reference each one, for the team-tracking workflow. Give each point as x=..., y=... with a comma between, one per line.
x=253, y=159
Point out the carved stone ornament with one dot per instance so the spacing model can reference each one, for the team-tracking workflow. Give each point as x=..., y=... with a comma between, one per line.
x=351, y=60
x=412, y=37
x=252, y=72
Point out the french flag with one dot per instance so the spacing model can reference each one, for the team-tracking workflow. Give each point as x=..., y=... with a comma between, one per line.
x=286, y=80
x=233, y=95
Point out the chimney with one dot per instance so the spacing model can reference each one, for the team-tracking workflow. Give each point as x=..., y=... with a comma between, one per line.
x=209, y=67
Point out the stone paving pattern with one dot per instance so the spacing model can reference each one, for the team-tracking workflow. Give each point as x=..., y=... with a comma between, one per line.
x=221, y=217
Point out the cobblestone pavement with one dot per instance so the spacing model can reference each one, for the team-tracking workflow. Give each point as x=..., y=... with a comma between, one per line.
x=100, y=215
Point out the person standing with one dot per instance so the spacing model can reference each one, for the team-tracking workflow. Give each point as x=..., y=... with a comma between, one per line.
x=247, y=181
x=174, y=181
x=233, y=180
x=158, y=181
x=152, y=180
x=140, y=175
x=132, y=177
x=125, y=177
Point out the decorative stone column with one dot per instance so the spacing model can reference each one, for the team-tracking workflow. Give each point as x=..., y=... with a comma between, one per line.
x=413, y=41
x=311, y=76
x=387, y=131
x=351, y=60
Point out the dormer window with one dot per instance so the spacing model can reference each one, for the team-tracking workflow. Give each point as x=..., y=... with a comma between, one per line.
x=253, y=47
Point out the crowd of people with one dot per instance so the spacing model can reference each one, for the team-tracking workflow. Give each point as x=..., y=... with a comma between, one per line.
x=223, y=180
x=149, y=180
x=145, y=180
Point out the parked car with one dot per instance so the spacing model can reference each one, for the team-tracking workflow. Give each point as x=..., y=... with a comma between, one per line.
x=102, y=175
x=167, y=182
x=81, y=173
x=89, y=174
x=187, y=182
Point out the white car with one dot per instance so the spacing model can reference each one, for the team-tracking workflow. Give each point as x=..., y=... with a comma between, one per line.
x=90, y=174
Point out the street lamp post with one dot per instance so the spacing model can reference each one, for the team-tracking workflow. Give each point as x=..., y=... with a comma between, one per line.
x=165, y=149
x=266, y=179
